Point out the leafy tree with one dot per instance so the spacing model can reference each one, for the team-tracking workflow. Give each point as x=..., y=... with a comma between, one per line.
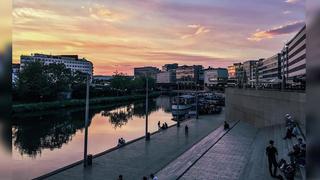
x=120, y=81
x=33, y=82
x=59, y=78
x=38, y=81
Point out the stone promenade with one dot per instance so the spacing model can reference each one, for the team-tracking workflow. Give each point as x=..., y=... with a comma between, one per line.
x=142, y=158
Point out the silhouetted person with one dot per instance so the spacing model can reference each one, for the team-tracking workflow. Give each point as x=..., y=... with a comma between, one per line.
x=288, y=133
x=159, y=126
x=226, y=125
x=166, y=125
x=186, y=129
x=120, y=177
x=272, y=152
x=163, y=126
x=153, y=177
x=295, y=131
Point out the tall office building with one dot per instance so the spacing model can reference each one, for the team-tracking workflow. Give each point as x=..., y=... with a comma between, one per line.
x=188, y=74
x=270, y=68
x=70, y=61
x=146, y=71
x=168, y=67
x=294, y=58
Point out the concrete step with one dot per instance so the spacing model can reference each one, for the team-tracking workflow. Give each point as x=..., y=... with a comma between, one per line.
x=180, y=165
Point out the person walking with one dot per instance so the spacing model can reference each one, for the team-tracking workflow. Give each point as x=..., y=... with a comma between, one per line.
x=272, y=153
x=186, y=129
x=159, y=124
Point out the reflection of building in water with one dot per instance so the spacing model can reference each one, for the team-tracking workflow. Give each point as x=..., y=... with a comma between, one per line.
x=164, y=102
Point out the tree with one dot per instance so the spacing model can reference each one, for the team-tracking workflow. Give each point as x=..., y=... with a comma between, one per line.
x=79, y=81
x=38, y=81
x=120, y=81
x=59, y=78
x=33, y=82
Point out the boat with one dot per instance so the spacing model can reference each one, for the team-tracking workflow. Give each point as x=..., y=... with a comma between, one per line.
x=182, y=105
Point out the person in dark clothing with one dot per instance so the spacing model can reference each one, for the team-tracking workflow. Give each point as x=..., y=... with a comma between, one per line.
x=186, y=129
x=226, y=125
x=159, y=125
x=288, y=133
x=120, y=177
x=166, y=125
x=272, y=152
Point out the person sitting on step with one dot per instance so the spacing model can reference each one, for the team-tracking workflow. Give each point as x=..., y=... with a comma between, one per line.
x=226, y=125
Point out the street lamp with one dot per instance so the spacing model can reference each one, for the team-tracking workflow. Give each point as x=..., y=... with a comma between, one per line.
x=178, y=102
x=197, y=115
x=85, y=156
x=147, y=135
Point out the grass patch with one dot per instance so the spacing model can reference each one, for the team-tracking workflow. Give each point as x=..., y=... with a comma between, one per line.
x=31, y=107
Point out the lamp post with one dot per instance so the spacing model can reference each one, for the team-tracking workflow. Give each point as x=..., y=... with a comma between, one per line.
x=147, y=135
x=178, y=102
x=197, y=115
x=85, y=156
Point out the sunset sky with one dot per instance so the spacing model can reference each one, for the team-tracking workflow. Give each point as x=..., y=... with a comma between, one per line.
x=117, y=35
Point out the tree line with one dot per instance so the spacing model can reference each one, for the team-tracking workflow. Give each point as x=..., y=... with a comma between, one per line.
x=39, y=82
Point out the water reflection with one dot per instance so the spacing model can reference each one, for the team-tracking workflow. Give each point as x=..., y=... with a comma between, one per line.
x=121, y=115
x=34, y=132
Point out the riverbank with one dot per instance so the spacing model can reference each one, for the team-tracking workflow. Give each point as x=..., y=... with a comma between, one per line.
x=141, y=157
x=33, y=107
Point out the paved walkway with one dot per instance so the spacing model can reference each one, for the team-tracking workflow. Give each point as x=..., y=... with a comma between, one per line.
x=257, y=167
x=227, y=158
x=143, y=158
x=236, y=154
x=182, y=164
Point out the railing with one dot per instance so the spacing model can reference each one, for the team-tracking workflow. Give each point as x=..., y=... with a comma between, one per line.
x=286, y=89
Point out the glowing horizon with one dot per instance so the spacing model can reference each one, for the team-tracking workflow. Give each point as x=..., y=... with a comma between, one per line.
x=121, y=35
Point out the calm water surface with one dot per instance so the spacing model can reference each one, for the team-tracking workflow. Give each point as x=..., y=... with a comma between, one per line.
x=43, y=142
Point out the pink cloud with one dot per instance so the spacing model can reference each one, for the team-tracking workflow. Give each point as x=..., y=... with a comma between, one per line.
x=198, y=30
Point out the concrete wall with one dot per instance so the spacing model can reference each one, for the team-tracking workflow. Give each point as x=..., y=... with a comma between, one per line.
x=264, y=108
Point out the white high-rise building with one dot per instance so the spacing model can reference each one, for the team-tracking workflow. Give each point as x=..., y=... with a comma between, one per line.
x=70, y=61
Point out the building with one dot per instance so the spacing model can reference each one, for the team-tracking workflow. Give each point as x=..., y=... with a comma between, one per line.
x=70, y=61
x=232, y=72
x=235, y=71
x=214, y=77
x=148, y=70
x=188, y=75
x=270, y=69
x=100, y=80
x=166, y=77
x=293, y=59
x=249, y=70
x=15, y=73
x=168, y=67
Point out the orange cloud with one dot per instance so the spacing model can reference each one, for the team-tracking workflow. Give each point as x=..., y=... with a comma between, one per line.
x=284, y=29
x=100, y=12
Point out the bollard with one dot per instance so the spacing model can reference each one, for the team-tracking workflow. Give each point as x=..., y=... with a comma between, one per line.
x=89, y=158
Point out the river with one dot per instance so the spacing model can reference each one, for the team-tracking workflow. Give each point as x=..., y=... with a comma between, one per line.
x=43, y=142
